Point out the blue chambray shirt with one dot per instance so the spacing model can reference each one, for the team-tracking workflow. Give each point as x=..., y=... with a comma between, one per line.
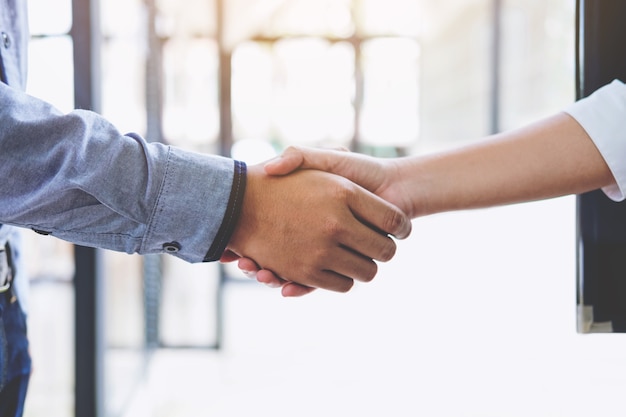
x=76, y=177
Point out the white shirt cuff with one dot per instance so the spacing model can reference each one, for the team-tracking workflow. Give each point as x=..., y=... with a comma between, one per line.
x=603, y=116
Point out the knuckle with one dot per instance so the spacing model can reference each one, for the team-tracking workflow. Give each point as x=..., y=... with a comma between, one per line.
x=333, y=228
x=388, y=251
x=291, y=149
x=342, y=189
x=394, y=221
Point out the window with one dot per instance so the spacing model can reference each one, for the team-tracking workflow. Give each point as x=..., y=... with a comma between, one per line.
x=250, y=77
x=324, y=73
x=537, y=61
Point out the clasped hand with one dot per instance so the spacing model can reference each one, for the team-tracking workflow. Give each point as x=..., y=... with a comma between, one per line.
x=313, y=229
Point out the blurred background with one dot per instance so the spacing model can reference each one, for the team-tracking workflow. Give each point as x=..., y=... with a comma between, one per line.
x=475, y=316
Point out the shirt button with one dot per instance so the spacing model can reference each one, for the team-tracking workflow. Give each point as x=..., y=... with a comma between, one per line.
x=171, y=247
x=6, y=40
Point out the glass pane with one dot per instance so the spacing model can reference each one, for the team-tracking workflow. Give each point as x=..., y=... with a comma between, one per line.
x=48, y=258
x=390, y=105
x=51, y=334
x=188, y=18
x=252, y=82
x=298, y=91
x=538, y=43
x=191, y=116
x=189, y=308
x=123, y=83
x=123, y=64
x=51, y=71
x=124, y=327
x=389, y=17
x=122, y=18
x=123, y=299
x=455, y=73
x=49, y=263
x=250, y=18
x=50, y=17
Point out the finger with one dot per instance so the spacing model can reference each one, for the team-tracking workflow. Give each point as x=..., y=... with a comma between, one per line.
x=268, y=278
x=379, y=214
x=291, y=289
x=368, y=243
x=348, y=263
x=326, y=280
x=229, y=256
x=295, y=157
x=324, y=274
x=247, y=265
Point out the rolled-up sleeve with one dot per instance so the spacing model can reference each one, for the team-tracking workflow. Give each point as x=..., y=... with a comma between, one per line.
x=603, y=116
x=74, y=176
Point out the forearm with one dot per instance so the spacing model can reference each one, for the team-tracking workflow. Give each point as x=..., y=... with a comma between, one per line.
x=550, y=158
x=76, y=177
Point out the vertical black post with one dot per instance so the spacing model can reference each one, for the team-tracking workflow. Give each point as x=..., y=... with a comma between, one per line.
x=359, y=93
x=154, y=77
x=225, y=141
x=152, y=284
x=153, y=264
x=359, y=84
x=87, y=333
x=601, y=49
x=85, y=33
x=496, y=46
x=224, y=88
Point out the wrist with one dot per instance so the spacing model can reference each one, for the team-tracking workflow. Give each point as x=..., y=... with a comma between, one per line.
x=408, y=184
x=246, y=223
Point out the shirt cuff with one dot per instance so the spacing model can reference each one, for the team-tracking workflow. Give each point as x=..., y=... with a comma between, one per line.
x=231, y=216
x=197, y=206
x=603, y=116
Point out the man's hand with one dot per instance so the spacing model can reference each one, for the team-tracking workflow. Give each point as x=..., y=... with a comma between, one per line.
x=316, y=229
x=373, y=174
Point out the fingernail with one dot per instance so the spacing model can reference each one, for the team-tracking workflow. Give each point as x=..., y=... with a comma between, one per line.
x=249, y=274
x=272, y=162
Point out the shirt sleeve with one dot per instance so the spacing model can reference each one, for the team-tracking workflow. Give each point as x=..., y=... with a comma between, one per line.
x=74, y=176
x=603, y=116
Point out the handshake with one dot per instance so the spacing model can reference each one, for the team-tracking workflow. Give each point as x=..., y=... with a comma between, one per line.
x=318, y=219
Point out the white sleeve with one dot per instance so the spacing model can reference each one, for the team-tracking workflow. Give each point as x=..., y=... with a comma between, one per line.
x=603, y=116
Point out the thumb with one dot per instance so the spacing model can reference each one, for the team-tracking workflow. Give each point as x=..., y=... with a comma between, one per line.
x=289, y=161
x=295, y=157
x=228, y=256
